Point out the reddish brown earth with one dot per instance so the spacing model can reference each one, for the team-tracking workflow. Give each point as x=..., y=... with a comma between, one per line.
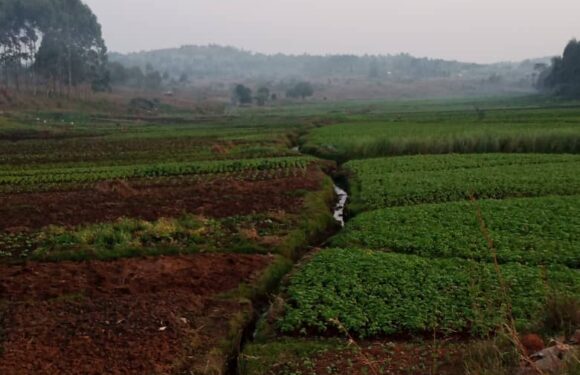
x=395, y=358
x=213, y=197
x=532, y=343
x=132, y=316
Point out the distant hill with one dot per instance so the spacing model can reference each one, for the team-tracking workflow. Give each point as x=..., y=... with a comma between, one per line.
x=336, y=75
x=219, y=62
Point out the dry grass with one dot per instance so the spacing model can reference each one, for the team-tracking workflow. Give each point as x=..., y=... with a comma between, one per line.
x=562, y=314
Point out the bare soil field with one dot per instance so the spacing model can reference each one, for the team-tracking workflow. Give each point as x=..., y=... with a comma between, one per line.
x=396, y=358
x=215, y=197
x=150, y=315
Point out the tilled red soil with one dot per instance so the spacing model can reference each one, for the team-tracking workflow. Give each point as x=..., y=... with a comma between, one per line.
x=214, y=198
x=396, y=358
x=133, y=316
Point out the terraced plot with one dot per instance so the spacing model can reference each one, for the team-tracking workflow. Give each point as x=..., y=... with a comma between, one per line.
x=411, y=285
x=373, y=293
x=532, y=231
x=441, y=132
x=142, y=247
x=140, y=315
x=379, y=183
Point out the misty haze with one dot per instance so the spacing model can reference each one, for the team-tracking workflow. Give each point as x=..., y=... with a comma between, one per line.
x=289, y=187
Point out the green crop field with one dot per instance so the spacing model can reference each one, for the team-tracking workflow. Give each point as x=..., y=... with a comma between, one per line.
x=387, y=182
x=531, y=231
x=25, y=143
x=501, y=130
x=415, y=257
x=34, y=177
x=373, y=293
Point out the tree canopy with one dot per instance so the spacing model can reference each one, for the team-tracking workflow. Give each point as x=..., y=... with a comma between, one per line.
x=57, y=43
x=243, y=94
x=301, y=90
x=563, y=77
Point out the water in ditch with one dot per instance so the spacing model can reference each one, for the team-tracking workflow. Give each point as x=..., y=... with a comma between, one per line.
x=340, y=205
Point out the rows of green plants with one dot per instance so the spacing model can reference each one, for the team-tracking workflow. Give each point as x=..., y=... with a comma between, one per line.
x=91, y=174
x=467, y=131
x=171, y=180
x=157, y=152
x=432, y=163
x=371, y=293
x=106, y=151
x=420, y=262
x=46, y=139
x=533, y=231
x=377, y=183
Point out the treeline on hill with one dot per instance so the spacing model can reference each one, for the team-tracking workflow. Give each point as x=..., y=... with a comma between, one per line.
x=53, y=46
x=563, y=76
x=145, y=79
x=228, y=63
x=244, y=95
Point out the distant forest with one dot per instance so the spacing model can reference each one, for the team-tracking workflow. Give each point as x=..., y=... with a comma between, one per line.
x=229, y=63
x=215, y=71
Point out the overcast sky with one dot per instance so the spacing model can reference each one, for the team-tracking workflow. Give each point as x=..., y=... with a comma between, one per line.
x=467, y=30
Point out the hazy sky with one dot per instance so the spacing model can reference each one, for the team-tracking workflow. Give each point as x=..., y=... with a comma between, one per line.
x=468, y=30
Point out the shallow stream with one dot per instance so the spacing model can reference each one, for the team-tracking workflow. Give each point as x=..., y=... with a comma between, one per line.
x=340, y=205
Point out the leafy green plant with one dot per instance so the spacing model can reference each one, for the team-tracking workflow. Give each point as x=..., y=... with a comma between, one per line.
x=409, y=180
x=93, y=174
x=528, y=230
x=376, y=293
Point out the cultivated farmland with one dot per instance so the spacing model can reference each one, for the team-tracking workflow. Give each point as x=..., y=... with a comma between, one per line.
x=378, y=184
x=522, y=130
x=467, y=234
x=531, y=231
x=149, y=240
x=158, y=242
x=214, y=210
x=374, y=293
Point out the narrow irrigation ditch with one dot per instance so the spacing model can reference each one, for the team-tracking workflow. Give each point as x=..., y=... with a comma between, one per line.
x=261, y=306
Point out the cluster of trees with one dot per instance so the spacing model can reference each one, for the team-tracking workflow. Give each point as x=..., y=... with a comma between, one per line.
x=144, y=79
x=56, y=45
x=244, y=95
x=301, y=90
x=563, y=76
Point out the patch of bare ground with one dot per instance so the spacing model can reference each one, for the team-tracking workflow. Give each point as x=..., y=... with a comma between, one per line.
x=131, y=316
x=108, y=201
x=395, y=358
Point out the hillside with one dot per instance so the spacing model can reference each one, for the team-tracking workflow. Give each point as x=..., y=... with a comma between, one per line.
x=336, y=76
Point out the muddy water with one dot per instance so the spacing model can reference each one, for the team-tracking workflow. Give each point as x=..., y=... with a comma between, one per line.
x=340, y=205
